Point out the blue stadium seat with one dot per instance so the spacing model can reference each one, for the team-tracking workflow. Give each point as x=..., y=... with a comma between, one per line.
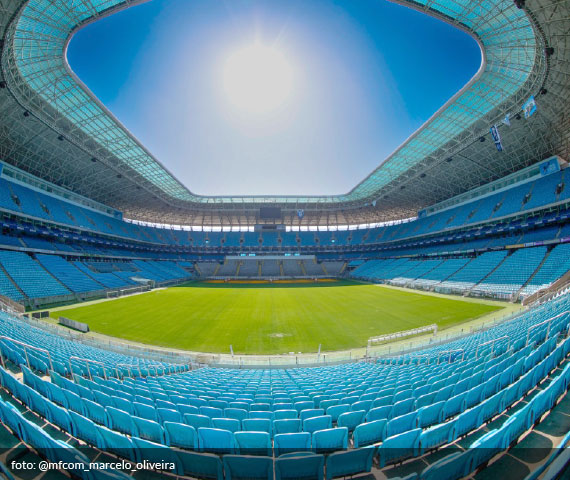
x=402, y=395
x=525, y=383
x=454, y=405
x=156, y=453
x=484, y=448
x=542, y=402
x=118, y=443
x=285, y=414
x=165, y=404
x=292, y=442
x=149, y=430
x=64, y=453
x=124, y=404
x=201, y=465
x=211, y=412
x=474, y=396
x=197, y=421
x=214, y=440
x=437, y=435
x=121, y=421
x=230, y=424
x=221, y=404
x=402, y=407
x=144, y=411
x=467, y=421
x=180, y=435
x=352, y=462
x=253, y=443
x=37, y=438
x=309, y=413
x=351, y=420
x=95, y=412
x=197, y=402
x=491, y=407
x=369, y=433
x=85, y=429
x=58, y=416
x=379, y=413
x=300, y=467
x=382, y=401
x=313, y=424
x=253, y=414
x=516, y=424
x=257, y=425
x=324, y=404
x=399, y=447
x=168, y=415
x=286, y=426
x=461, y=387
x=361, y=405
x=430, y=414
x=336, y=410
x=240, y=405
x=184, y=409
x=235, y=413
x=349, y=400
x=443, y=394
x=401, y=424
x=243, y=467
x=304, y=405
x=260, y=407
x=329, y=440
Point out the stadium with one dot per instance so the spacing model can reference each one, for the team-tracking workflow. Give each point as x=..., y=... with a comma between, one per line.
x=416, y=326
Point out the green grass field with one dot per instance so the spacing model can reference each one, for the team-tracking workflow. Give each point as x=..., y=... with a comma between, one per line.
x=269, y=319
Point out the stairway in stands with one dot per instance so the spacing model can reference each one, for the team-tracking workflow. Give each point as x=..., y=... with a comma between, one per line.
x=489, y=273
x=15, y=285
x=51, y=274
x=536, y=270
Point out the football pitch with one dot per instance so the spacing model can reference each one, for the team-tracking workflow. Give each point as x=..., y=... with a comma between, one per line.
x=271, y=319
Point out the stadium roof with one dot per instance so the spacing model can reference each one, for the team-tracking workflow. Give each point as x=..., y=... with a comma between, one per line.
x=52, y=126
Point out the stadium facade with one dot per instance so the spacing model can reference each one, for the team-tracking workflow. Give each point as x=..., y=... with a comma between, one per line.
x=55, y=129
x=480, y=203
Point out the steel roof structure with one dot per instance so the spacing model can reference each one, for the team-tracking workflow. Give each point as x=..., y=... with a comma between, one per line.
x=53, y=127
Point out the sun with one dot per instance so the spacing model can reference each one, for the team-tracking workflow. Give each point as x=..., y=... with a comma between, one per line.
x=257, y=79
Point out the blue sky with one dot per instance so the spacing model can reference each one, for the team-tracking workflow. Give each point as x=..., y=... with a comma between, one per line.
x=366, y=75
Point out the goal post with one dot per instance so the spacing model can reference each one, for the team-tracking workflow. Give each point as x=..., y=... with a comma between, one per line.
x=121, y=292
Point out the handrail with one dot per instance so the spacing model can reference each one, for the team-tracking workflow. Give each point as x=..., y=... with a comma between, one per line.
x=450, y=353
x=87, y=362
x=10, y=306
x=130, y=367
x=549, y=320
x=419, y=357
x=26, y=346
x=492, y=342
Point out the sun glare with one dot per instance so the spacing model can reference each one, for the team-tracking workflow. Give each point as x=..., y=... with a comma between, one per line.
x=257, y=79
